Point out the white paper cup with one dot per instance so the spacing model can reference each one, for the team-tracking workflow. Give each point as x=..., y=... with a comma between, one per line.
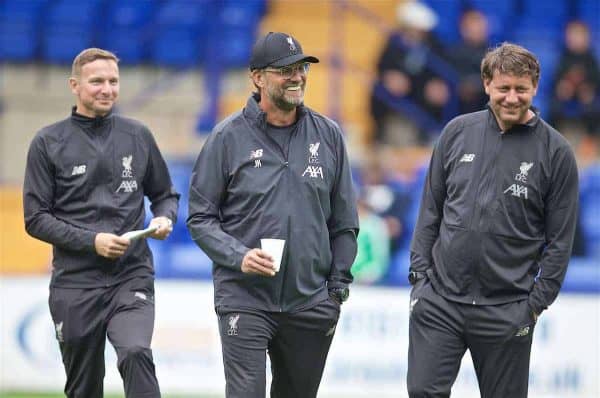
x=275, y=249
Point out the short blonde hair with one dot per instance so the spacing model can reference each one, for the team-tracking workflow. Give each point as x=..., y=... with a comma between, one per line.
x=90, y=55
x=510, y=59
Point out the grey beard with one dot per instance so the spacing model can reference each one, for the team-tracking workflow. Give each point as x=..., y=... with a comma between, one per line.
x=285, y=105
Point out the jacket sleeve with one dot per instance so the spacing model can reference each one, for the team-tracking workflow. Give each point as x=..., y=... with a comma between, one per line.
x=208, y=188
x=38, y=200
x=158, y=187
x=343, y=219
x=343, y=252
x=561, y=208
x=430, y=212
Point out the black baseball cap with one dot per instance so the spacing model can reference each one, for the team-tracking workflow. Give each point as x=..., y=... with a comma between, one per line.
x=277, y=49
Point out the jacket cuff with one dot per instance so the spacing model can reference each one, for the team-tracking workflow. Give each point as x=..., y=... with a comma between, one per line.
x=89, y=240
x=336, y=284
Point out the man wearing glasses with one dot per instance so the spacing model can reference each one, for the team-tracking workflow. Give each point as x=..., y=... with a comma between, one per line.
x=277, y=169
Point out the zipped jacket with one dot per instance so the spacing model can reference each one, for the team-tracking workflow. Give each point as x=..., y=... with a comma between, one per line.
x=86, y=176
x=498, y=212
x=244, y=188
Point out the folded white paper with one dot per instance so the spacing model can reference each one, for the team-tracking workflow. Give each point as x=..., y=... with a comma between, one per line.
x=139, y=233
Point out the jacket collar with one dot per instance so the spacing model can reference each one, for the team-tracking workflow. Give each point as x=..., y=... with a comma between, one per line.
x=90, y=122
x=258, y=117
x=529, y=126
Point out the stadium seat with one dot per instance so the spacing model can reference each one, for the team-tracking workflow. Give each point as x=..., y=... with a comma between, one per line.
x=589, y=12
x=69, y=28
x=448, y=13
x=19, y=35
x=589, y=211
x=498, y=13
x=181, y=31
x=544, y=14
x=127, y=29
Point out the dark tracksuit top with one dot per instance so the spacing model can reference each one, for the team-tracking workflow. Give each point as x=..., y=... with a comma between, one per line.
x=244, y=188
x=86, y=176
x=497, y=209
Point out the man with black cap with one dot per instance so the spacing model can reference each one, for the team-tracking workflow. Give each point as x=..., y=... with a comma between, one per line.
x=276, y=169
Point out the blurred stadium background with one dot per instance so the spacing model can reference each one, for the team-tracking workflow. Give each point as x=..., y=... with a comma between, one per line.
x=183, y=68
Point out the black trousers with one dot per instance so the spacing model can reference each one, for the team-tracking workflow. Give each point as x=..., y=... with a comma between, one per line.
x=440, y=331
x=297, y=343
x=83, y=318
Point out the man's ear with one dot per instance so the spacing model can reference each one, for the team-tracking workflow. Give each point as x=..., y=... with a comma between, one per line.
x=258, y=78
x=486, y=85
x=74, y=85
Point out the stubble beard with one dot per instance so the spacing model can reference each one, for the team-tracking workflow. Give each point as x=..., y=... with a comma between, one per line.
x=284, y=102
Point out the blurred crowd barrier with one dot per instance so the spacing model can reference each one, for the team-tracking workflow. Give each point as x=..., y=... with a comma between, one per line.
x=367, y=357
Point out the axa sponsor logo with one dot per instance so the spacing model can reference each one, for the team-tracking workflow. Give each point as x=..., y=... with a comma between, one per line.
x=517, y=190
x=128, y=186
x=313, y=172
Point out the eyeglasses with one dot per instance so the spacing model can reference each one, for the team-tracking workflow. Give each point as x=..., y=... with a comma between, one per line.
x=287, y=72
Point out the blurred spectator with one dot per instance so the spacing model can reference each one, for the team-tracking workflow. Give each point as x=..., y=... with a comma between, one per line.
x=575, y=104
x=466, y=57
x=388, y=180
x=373, y=255
x=404, y=71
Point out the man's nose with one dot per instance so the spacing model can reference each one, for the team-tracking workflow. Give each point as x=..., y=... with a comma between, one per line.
x=512, y=96
x=106, y=87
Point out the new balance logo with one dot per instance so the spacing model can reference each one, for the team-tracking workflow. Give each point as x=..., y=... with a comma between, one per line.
x=517, y=190
x=256, y=154
x=467, y=157
x=78, y=170
x=313, y=171
x=522, y=332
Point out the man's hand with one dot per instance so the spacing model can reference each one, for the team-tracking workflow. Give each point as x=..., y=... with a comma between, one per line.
x=257, y=261
x=165, y=226
x=110, y=245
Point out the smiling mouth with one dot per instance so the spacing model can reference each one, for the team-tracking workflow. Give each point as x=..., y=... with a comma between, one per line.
x=294, y=88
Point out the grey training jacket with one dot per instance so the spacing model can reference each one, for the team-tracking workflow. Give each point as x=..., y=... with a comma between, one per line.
x=86, y=176
x=497, y=209
x=244, y=188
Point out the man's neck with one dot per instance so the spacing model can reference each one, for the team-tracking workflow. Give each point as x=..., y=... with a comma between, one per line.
x=277, y=116
x=503, y=127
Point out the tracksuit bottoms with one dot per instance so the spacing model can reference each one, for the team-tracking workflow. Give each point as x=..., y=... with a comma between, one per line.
x=297, y=343
x=440, y=331
x=83, y=318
